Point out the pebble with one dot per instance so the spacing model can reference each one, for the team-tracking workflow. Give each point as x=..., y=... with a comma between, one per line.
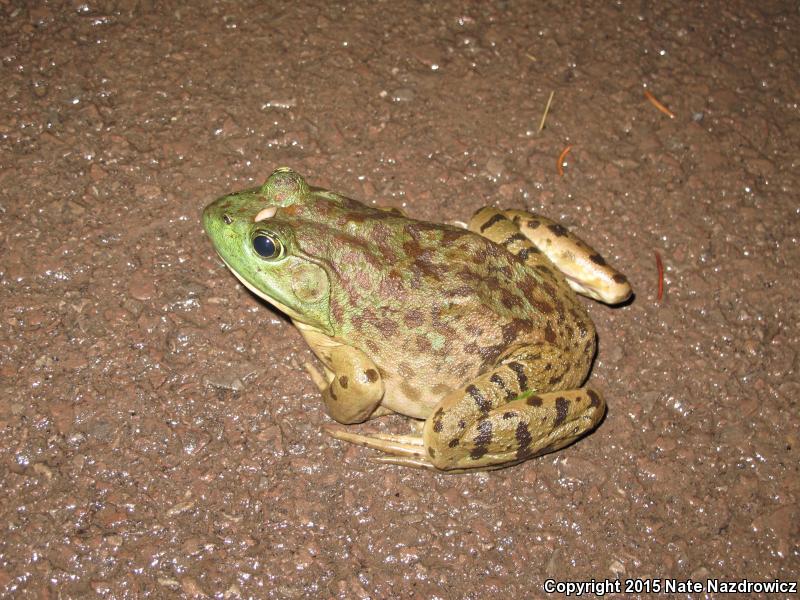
x=141, y=286
x=147, y=191
x=402, y=95
x=224, y=381
x=495, y=167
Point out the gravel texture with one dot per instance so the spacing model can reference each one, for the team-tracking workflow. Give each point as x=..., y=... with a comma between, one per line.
x=159, y=436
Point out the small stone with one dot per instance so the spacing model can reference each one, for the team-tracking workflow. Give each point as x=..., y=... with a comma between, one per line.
x=429, y=55
x=665, y=443
x=141, y=286
x=40, y=89
x=282, y=103
x=226, y=381
x=495, y=167
x=506, y=191
x=180, y=508
x=232, y=592
x=700, y=574
x=43, y=469
x=168, y=582
x=147, y=191
x=96, y=172
x=616, y=567
x=403, y=95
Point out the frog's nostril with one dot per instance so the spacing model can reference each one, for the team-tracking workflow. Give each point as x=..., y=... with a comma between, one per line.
x=227, y=219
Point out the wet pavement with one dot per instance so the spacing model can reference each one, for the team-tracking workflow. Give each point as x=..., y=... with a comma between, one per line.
x=159, y=435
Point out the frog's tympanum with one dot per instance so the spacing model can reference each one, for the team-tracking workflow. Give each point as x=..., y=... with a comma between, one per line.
x=477, y=331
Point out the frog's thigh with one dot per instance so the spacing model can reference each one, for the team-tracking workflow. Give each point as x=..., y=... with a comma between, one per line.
x=356, y=388
x=585, y=269
x=518, y=430
x=496, y=421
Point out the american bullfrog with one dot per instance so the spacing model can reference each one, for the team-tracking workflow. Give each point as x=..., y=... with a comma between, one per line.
x=476, y=331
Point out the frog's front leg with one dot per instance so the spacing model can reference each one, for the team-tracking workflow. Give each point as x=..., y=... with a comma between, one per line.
x=353, y=388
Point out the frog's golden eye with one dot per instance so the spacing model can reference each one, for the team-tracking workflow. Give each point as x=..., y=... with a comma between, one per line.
x=267, y=245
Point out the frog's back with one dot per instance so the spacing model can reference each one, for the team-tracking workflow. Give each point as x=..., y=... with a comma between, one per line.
x=434, y=303
x=490, y=294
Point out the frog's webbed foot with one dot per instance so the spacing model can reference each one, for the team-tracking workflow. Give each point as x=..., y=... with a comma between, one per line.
x=405, y=461
x=405, y=450
x=404, y=445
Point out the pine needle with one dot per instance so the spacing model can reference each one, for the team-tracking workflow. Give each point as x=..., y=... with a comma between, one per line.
x=546, y=110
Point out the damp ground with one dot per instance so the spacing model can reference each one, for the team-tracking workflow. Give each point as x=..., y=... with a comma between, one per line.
x=159, y=435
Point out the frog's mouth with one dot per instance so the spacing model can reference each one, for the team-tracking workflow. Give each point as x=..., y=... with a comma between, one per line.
x=279, y=305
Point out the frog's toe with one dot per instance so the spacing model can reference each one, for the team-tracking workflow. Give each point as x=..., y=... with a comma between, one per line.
x=395, y=445
x=405, y=461
x=414, y=440
x=316, y=376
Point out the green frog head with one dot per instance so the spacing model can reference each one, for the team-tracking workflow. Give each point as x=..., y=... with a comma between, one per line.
x=253, y=231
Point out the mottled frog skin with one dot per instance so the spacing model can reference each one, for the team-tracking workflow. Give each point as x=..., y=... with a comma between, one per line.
x=477, y=331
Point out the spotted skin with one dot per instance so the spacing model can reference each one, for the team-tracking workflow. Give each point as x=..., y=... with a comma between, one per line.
x=549, y=419
x=584, y=269
x=477, y=332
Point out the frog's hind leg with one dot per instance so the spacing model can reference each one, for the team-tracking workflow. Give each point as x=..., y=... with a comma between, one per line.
x=498, y=420
x=500, y=437
x=543, y=243
x=522, y=429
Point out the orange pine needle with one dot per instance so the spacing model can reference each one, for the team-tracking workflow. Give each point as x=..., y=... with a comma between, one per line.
x=560, y=164
x=660, y=267
x=658, y=104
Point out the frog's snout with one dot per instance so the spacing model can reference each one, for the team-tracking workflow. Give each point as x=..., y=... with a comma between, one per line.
x=215, y=216
x=208, y=218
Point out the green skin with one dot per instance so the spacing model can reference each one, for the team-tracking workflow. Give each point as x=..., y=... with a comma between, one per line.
x=478, y=332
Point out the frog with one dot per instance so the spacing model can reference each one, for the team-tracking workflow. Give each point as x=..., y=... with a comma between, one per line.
x=476, y=333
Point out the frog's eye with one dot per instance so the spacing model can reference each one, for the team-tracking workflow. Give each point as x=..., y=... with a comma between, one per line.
x=267, y=245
